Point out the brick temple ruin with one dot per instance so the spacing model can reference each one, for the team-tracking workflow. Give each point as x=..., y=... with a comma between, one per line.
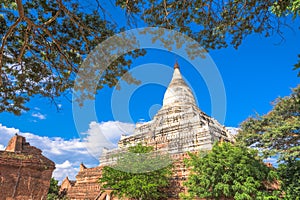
x=179, y=127
x=24, y=172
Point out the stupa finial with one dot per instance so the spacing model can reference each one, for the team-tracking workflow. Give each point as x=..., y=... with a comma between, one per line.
x=176, y=66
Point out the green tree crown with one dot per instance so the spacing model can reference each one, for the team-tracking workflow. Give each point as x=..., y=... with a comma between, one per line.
x=134, y=184
x=229, y=172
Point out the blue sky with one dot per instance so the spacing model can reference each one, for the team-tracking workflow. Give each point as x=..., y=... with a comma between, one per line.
x=255, y=74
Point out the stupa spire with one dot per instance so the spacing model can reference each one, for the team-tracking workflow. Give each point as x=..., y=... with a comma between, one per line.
x=178, y=92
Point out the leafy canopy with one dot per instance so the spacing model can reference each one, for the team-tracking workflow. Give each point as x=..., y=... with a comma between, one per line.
x=229, y=172
x=44, y=43
x=53, y=190
x=135, y=182
x=277, y=132
x=288, y=7
x=290, y=178
x=214, y=23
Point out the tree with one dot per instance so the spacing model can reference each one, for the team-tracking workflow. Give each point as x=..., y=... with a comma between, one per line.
x=297, y=66
x=289, y=7
x=290, y=178
x=229, y=172
x=133, y=175
x=214, y=23
x=53, y=190
x=44, y=43
x=277, y=132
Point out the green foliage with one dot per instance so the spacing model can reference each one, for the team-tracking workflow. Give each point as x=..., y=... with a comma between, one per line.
x=290, y=179
x=287, y=7
x=215, y=24
x=297, y=66
x=140, y=182
x=44, y=42
x=277, y=132
x=43, y=45
x=53, y=190
x=229, y=172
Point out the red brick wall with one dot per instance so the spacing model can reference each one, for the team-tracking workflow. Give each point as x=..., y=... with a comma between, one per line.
x=19, y=182
x=24, y=172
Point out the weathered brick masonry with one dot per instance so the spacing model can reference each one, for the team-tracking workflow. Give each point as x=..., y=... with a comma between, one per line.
x=24, y=172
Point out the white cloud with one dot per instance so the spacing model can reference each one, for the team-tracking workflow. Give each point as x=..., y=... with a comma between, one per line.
x=64, y=165
x=105, y=134
x=39, y=115
x=6, y=133
x=68, y=154
x=233, y=130
x=36, y=108
x=66, y=168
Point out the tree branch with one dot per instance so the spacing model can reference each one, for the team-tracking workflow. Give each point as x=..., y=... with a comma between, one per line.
x=8, y=33
x=25, y=44
x=57, y=44
x=4, y=39
x=53, y=18
x=72, y=17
